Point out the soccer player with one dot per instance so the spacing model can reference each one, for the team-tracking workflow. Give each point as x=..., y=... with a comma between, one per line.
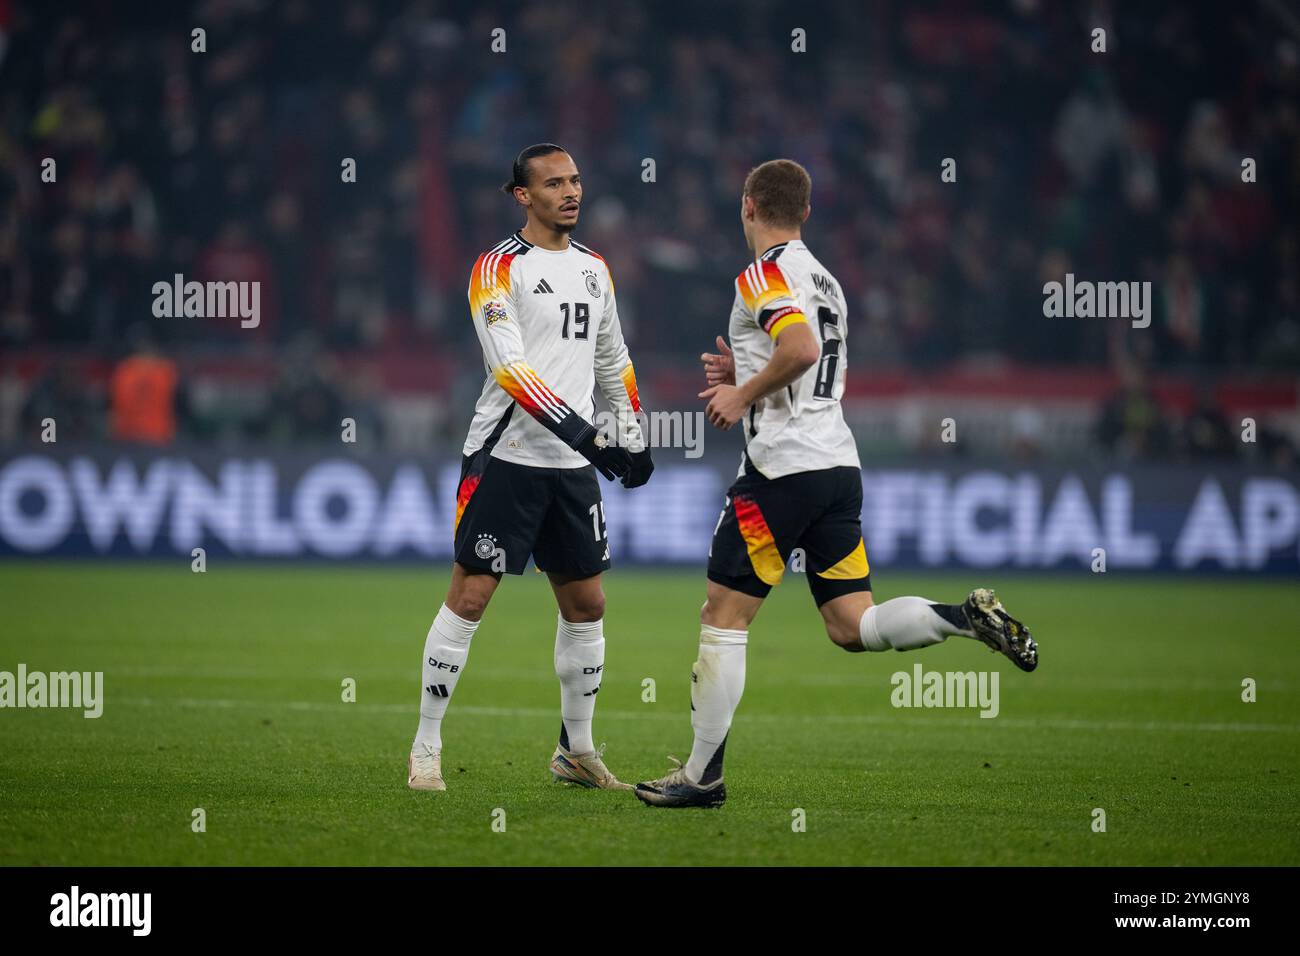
x=799, y=485
x=543, y=307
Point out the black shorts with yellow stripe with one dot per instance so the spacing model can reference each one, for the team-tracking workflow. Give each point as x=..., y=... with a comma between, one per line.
x=765, y=520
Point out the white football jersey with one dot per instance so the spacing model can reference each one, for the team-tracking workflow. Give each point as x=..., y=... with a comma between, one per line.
x=800, y=427
x=548, y=324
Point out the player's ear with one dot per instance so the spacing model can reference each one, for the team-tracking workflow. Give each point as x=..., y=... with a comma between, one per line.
x=807, y=211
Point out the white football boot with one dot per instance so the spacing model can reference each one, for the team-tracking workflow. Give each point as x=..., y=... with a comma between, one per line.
x=424, y=769
x=585, y=770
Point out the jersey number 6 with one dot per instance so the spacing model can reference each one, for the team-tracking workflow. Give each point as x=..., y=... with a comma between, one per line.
x=826, y=319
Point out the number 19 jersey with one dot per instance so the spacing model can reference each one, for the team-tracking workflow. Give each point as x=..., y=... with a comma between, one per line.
x=549, y=327
x=800, y=427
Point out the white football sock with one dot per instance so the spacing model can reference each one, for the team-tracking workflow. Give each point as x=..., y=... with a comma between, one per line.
x=906, y=623
x=579, y=663
x=445, y=651
x=717, y=682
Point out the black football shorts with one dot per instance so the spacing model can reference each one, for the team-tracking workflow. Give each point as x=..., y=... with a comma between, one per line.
x=765, y=519
x=506, y=512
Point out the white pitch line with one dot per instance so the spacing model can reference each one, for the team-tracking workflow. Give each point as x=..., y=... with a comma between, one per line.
x=890, y=720
x=547, y=675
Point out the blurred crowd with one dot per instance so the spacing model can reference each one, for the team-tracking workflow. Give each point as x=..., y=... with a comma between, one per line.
x=1116, y=166
x=146, y=399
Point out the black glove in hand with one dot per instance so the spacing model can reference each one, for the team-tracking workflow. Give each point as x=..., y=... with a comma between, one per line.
x=641, y=469
x=610, y=460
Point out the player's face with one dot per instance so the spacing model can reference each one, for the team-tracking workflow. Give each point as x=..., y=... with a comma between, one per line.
x=554, y=191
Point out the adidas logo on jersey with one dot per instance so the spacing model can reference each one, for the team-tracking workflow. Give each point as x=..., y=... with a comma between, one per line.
x=543, y=286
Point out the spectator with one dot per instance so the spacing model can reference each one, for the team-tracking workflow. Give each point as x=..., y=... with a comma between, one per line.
x=1132, y=423
x=142, y=396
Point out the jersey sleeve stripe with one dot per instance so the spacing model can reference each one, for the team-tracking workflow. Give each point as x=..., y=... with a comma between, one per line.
x=491, y=277
x=761, y=283
x=522, y=392
x=535, y=380
x=545, y=397
x=629, y=383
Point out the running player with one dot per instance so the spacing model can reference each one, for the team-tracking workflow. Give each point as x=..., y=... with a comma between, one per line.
x=543, y=307
x=799, y=485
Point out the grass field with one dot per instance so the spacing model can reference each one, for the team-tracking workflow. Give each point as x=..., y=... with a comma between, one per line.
x=223, y=691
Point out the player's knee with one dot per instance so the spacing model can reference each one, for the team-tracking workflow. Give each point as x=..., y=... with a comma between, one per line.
x=844, y=636
x=712, y=615
x=843, y=620
x=469, y=601
x=585, y=609
x=470, y=592
x=470, y=606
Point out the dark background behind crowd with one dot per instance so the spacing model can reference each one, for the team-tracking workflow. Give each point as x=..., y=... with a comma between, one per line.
x=225, y=165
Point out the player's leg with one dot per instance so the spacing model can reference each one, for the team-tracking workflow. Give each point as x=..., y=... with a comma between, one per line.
x=839, y=577
x=907, y=623
x=856, y=623
x=579, y=665
x=747, y=558
x=717, y=684
x=718, y=677
x=579, y=656
x=493, y=496
x=573, y=550
x=446, y=649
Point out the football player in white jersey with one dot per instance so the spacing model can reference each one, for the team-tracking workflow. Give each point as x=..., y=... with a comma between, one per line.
x=799, y=486
x=543, y=307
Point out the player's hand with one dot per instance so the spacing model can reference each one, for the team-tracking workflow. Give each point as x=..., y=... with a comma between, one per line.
x=719, y=369
x=726, y=405
x=610, y=460
x=641, y=469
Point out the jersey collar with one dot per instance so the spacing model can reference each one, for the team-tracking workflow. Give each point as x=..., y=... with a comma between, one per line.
x=772, y=252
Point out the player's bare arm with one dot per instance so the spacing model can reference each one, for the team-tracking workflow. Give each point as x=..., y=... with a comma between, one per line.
x=796, y=351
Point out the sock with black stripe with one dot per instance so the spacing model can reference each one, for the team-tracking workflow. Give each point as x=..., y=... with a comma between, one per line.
x=717, y=683
x=907, y=623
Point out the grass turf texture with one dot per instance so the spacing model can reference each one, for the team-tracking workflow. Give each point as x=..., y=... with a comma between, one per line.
x=223, y=691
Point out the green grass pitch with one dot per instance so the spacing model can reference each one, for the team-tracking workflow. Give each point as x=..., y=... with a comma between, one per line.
x=223, y=691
